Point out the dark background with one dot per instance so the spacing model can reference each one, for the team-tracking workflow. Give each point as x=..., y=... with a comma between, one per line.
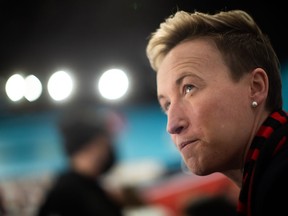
x=87, y=37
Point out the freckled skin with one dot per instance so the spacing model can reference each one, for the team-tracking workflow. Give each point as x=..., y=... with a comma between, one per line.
x=214, y=114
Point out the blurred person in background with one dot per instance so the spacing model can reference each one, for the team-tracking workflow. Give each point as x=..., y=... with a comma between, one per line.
x=88, y=142
x=3, y=211
x=219, y=83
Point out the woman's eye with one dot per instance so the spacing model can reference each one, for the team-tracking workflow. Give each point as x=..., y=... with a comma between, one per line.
x=166, y=107
x=188, y=88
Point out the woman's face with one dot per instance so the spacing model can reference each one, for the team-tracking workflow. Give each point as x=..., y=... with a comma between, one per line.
x=209, y=116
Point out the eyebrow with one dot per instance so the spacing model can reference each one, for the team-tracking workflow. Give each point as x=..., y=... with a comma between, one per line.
x=184, y=75
x=180, y=80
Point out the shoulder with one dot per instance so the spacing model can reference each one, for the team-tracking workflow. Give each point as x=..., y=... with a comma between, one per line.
x=63, y=193
x=271, y=175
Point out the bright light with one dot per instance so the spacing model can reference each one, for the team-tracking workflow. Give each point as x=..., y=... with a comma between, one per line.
x=60, y=85
x=113, y=84
x=15, y=87
x=33, y=88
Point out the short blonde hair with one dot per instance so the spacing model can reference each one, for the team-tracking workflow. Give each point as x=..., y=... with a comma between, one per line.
x=239, y=39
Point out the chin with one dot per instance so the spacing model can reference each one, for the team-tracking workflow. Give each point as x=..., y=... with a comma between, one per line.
x=198, y=170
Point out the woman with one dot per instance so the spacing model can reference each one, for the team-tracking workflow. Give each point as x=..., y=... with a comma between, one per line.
x=219, y=83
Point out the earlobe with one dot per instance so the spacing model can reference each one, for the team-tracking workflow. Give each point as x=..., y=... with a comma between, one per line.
x=259, y=85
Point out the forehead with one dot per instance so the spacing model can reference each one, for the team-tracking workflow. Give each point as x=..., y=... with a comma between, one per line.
x=197, y=49
x=199, y=56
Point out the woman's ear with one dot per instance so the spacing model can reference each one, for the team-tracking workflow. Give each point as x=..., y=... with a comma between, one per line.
x=259, y=85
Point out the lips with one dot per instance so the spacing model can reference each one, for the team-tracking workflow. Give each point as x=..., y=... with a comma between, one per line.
x=183, y=144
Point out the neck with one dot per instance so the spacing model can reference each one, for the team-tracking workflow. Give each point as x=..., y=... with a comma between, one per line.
x=260, y=116
x=235, y=176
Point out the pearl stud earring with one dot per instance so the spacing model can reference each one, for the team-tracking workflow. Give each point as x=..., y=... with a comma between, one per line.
x=254, y=104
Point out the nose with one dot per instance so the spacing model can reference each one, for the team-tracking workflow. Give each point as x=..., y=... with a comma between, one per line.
x=176, y=121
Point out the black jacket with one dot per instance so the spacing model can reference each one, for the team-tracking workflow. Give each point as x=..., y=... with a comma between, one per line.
x=77, y=195
x=265, y=180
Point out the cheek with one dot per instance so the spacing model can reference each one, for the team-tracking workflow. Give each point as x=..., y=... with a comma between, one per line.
x=218, y=115
x=208, y=111
x=225, y=103
x=226, y=123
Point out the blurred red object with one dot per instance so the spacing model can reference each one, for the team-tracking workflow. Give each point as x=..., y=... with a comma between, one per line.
x=175, y=192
